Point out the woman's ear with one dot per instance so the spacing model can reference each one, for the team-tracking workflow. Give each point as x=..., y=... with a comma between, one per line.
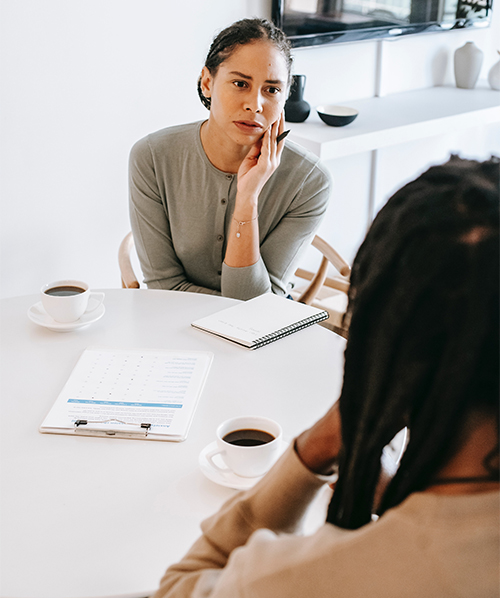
x=206, y=80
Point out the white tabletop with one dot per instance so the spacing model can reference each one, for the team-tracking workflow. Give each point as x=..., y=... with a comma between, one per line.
x=84, y=517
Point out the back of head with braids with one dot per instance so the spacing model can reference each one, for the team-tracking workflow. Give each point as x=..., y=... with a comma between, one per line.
x=241, y=33
x=423, y=348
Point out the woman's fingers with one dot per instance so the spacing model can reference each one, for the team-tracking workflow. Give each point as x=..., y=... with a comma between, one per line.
x=255, y=150
x=266, y=142
x=281, y=123
x=262, y=160
x=270, y=144
x=280, y=131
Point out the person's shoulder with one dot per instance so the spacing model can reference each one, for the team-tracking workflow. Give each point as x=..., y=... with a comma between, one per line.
x=168, y=139
x=294, y=151
x=174, y=134
x=302, y=162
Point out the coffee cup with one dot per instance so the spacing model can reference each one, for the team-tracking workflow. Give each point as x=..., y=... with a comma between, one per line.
x=247, y=445
x=66, y=301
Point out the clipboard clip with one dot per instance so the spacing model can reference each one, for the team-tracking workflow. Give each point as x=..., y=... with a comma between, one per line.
x=84, y=422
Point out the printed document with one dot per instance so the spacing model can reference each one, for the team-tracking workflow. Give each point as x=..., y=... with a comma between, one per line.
x=138, y=393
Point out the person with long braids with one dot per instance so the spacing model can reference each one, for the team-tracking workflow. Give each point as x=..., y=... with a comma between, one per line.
x=422, y=353
x=226, y=206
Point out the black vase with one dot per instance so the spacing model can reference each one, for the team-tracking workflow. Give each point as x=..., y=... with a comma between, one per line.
x=296, y=108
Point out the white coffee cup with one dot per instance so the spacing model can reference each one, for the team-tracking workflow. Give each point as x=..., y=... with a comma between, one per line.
x=66, y=301
x=247, y=461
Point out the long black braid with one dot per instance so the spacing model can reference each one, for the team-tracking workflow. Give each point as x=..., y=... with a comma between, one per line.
x=423, y=347
x=241, y=33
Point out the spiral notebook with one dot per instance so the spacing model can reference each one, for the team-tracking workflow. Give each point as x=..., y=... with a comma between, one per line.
x=260, y=321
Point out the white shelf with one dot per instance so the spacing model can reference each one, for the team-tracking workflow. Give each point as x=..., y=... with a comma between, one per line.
x=398, y=118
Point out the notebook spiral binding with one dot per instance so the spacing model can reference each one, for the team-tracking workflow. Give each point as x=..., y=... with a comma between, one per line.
x=269, y=338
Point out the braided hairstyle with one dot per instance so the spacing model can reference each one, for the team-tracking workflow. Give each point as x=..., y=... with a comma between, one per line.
x=241, y=33
x=423, y=347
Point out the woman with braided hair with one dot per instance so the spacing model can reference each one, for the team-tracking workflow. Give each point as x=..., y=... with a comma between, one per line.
x=225, y=206
x=422, y=353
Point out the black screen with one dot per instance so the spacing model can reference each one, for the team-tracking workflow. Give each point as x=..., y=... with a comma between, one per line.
x=315, y=22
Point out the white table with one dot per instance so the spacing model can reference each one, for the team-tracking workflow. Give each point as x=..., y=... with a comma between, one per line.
x=84, y=517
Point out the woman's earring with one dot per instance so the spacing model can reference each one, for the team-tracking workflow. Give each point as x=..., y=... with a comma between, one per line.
x=204, y=99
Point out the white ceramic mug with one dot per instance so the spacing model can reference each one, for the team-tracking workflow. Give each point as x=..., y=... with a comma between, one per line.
x=67, y=300
x=247, y=461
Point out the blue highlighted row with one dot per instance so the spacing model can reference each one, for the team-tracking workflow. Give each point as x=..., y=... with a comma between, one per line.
x=126, y=404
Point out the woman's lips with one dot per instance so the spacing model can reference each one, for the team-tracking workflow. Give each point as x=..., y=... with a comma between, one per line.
x=248, y=126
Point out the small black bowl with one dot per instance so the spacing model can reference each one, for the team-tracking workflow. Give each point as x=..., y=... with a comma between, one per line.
x=337, y=116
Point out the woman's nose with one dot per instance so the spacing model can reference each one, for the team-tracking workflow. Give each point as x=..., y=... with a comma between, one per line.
x=254, y=102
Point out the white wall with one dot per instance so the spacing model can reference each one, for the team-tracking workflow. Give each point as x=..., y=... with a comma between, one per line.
x=81, y=82
x=339, y=73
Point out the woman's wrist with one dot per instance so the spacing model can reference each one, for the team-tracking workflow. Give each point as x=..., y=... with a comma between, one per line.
x=319, y=446
x=246, y=207
x=320, y=462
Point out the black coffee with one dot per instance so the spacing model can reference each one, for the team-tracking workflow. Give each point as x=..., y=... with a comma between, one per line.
x=64, y=291
x=248, y=437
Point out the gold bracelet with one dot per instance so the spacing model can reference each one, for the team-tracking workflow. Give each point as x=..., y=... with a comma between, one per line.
x=241, y=223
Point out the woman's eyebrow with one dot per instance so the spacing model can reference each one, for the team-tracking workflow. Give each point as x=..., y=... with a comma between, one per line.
x=238, y=74
x=249, y=78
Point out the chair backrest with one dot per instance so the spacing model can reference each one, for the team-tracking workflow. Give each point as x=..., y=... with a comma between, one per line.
x=323, y=292
x=309, y=294
x=129, y=279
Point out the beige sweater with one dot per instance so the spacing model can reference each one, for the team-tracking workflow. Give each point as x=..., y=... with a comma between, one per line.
x=431, y=546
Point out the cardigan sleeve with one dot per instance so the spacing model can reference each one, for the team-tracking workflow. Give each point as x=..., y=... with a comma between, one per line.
x=274, y=505
x=160, y=265
x=284, y=243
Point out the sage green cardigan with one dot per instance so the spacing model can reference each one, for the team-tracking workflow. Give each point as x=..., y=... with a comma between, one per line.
x=181, y=208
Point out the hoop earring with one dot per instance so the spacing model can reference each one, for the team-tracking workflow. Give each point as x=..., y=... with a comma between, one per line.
x=203, y=98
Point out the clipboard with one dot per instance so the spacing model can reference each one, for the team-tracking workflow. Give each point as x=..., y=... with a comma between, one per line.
x=136, y=394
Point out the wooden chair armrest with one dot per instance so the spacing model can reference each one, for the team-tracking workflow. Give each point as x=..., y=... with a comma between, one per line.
x=129, y=279
x=318, y=279
x=332, y=256
x=336, y=282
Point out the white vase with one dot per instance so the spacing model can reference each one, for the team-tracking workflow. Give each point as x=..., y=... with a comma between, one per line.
x=467, y=61
x=494, y=76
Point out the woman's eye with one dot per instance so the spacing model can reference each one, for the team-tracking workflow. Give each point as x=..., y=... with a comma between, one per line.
x=240, y=84
x=273, y=90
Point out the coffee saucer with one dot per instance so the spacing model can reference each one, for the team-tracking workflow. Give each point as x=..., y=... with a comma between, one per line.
x=229, y=479
x=38, y=315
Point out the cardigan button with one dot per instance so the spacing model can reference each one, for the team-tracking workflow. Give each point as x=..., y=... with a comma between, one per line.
x=220, y=238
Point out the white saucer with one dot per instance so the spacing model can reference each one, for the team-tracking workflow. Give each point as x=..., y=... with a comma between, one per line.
x=38, y=315
x=230, y=479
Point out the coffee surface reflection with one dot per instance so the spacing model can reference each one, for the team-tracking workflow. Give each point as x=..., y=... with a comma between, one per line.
x=64, y=291
x=248, y=437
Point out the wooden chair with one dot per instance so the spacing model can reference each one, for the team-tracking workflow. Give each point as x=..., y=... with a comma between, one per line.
x=129, y=279
x=319, y=290
x=328, y=293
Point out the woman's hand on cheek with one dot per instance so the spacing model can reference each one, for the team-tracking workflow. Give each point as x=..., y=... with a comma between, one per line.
x=261, y=161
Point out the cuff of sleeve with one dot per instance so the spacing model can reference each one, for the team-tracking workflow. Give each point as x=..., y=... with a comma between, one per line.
x=245, y=283
x=282, y=496
x=277, y=502
x=331, y=478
